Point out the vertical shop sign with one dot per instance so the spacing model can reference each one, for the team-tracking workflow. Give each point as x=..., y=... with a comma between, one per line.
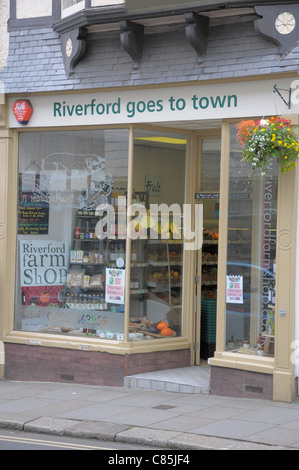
x=115, y=286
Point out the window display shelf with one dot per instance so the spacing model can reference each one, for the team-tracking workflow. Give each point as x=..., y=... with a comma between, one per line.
x=165, y=242
x=156, y=287
x=165, y=263
x=138, y=291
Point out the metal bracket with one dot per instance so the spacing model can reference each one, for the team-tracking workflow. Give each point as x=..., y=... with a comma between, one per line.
x=277, y=90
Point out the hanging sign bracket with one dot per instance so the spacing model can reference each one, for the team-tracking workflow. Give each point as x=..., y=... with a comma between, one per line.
x=277, y=90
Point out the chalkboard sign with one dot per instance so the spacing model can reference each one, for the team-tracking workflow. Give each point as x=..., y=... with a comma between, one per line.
x=33, y=206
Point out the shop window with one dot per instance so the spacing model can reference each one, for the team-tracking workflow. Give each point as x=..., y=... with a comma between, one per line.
x=251, y=255
x=157, y=246
x=210, y=165
x=68, y=280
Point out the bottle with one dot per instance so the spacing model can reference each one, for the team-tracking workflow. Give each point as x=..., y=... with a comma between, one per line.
x=89, y=304
x=87, y=230
x=112, y=255
x=71, y=301
x=77, y=233
x=134, y=255
x=121, y=252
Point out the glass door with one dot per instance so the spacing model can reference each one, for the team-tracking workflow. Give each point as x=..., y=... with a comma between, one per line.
x=156, y=232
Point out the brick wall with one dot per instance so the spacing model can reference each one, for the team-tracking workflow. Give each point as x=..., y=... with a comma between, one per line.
x=42, y=364
x=240, y=383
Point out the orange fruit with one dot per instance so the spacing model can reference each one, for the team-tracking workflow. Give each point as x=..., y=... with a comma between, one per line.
x=166, y=331
x=162, y=325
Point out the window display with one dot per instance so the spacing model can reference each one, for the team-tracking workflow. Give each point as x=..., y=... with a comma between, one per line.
x=73, y=234
x=157, y=259
x=70, y=280
x=251, y=255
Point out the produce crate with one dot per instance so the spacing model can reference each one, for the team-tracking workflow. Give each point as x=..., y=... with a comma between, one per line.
x=208, y=324
x=207, y=349
x=208, y=305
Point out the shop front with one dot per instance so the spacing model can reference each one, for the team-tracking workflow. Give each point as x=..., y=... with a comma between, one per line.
x=135, y=239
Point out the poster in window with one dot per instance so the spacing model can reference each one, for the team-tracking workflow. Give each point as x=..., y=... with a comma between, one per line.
x=234, y=289
x=115, y=286
x=43, y=271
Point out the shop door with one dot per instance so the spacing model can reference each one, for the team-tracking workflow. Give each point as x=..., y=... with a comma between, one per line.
x=208, y=196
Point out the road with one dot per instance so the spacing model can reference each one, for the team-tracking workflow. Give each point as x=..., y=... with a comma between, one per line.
x=14, y=440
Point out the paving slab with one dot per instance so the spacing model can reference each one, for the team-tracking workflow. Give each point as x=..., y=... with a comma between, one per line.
x=195, y=442
x=161, y=419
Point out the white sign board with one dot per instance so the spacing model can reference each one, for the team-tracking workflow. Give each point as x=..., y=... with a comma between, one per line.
x=43, y=262
x=182, y=103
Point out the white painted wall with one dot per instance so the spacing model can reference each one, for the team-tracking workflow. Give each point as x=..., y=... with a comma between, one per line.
x=33, y=8
x=4, y=38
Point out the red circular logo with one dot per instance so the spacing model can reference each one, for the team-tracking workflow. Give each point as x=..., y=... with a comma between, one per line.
x=23, y=110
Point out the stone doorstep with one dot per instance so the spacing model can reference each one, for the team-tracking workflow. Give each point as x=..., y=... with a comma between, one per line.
x=150, y=384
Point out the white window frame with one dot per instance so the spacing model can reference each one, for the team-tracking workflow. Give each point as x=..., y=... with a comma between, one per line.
x=72, y=9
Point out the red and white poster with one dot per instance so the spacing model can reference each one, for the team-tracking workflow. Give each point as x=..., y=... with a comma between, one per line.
x=115, y=286
x=234, y=289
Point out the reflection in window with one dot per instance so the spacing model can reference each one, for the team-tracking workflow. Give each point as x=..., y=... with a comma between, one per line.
x=70, y=270
x=157, y=253
x=251, y=258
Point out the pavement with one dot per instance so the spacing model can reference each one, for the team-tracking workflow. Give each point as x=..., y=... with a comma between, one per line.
x=155, y=418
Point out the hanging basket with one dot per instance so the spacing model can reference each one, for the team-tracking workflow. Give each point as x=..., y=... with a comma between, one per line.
x=268, y=139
